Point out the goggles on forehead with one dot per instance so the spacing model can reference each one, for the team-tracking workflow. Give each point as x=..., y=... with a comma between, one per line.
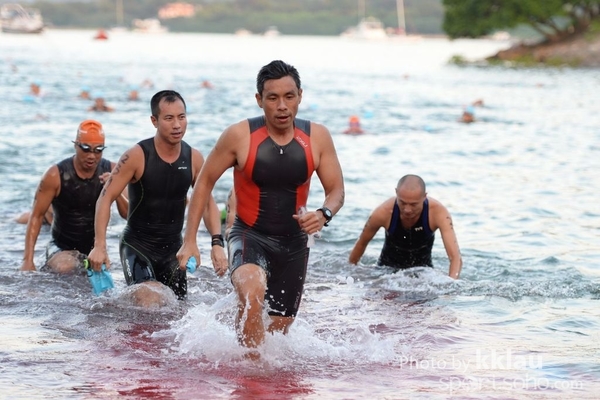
x=86, y=148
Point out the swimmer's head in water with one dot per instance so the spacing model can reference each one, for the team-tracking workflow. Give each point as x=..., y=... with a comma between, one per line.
x=90, y=131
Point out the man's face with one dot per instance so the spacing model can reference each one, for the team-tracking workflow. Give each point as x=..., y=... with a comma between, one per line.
x=88, y=155
x=280, y=100
x=171, y=123
x=410, y=201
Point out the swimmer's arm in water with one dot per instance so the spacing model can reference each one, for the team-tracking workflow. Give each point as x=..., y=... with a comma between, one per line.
x=440, y=218
x=48, y=189
x=379, y=218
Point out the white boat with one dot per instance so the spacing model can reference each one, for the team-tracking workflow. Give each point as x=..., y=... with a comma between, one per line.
x=400, y=32
x=148, y=25
x=373, y=28
x=15, y=18
x=367, y=28
x=243, y=32
x=120, y=27
x=272, y=31
x=501, y=36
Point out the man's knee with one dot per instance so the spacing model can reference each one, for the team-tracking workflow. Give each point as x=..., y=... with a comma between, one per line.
x=250, y=283
x=151, y=294
x=65, y=262
x=280, y=324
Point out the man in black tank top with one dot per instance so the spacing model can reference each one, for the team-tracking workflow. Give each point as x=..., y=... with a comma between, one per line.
x=410, y=220
x=71, y=187
x=158, y=172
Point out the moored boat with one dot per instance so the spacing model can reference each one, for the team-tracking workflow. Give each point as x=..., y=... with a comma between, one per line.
x=367, y=28
x=15, y=18
x=148, y=25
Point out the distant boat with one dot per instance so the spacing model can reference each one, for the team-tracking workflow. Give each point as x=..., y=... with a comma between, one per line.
x=243, y=32
x=367, y=28
x=400, y=32
x=120, y=18
x=148, y=25
x=500, y=35
x=271, y=31
x=14, y=18
x=101, y=35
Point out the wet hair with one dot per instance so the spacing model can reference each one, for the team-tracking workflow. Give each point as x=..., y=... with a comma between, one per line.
x=170, y=96
x=412, y=181
x=276, y=70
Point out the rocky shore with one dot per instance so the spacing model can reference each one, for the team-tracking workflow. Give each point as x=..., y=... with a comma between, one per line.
x=580, y=51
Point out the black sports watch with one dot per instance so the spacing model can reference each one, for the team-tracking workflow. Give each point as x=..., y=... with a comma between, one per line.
x=327, y=214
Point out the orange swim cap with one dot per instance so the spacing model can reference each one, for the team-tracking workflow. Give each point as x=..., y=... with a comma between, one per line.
x=90, y=131
x=354, y=118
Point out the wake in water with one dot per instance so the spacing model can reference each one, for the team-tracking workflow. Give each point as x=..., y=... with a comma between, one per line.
x=355, y=324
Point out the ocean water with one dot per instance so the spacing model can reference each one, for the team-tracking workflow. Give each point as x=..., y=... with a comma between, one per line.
x=522, y=321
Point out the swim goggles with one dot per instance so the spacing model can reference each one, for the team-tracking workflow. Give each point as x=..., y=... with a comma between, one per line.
x=86, y=148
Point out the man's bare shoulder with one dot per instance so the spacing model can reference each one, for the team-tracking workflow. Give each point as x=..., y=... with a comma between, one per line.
x=234, y=137
x=384, y=210
x=131, y=160
x=438, y=213
x=133, y=152
x=435, y=205
x=318, y=129
x=52, y=171
x=51, y=178
x=238, y=128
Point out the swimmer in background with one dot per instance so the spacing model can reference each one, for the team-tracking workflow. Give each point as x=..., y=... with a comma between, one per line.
x=147, y=83
x=99, y=104
x=24, y=217
x=468, y=115
x=354, y=126
x=134, y=94
x=85, y=93
x=35, y=93
x=35, y=89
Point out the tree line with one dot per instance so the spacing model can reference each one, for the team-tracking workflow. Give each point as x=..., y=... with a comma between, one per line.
x=293, y=17
x=553, y=20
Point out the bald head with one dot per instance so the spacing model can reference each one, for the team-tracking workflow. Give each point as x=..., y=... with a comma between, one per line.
x=412, y=183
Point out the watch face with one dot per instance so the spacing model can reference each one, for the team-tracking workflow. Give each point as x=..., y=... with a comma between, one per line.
x=327, y=213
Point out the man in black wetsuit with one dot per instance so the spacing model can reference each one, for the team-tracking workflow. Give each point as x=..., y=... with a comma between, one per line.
x=274, y=157
x=71, y=187
x=410, y=220
x=158, y=172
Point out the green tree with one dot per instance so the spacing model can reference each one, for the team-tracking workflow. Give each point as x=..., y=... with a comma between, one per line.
x=555, y=20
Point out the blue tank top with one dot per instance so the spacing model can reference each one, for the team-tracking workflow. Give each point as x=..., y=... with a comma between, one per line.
x=75, y=207
x=405, y=248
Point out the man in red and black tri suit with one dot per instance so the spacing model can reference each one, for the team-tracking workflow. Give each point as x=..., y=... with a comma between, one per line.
x=274, y=157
